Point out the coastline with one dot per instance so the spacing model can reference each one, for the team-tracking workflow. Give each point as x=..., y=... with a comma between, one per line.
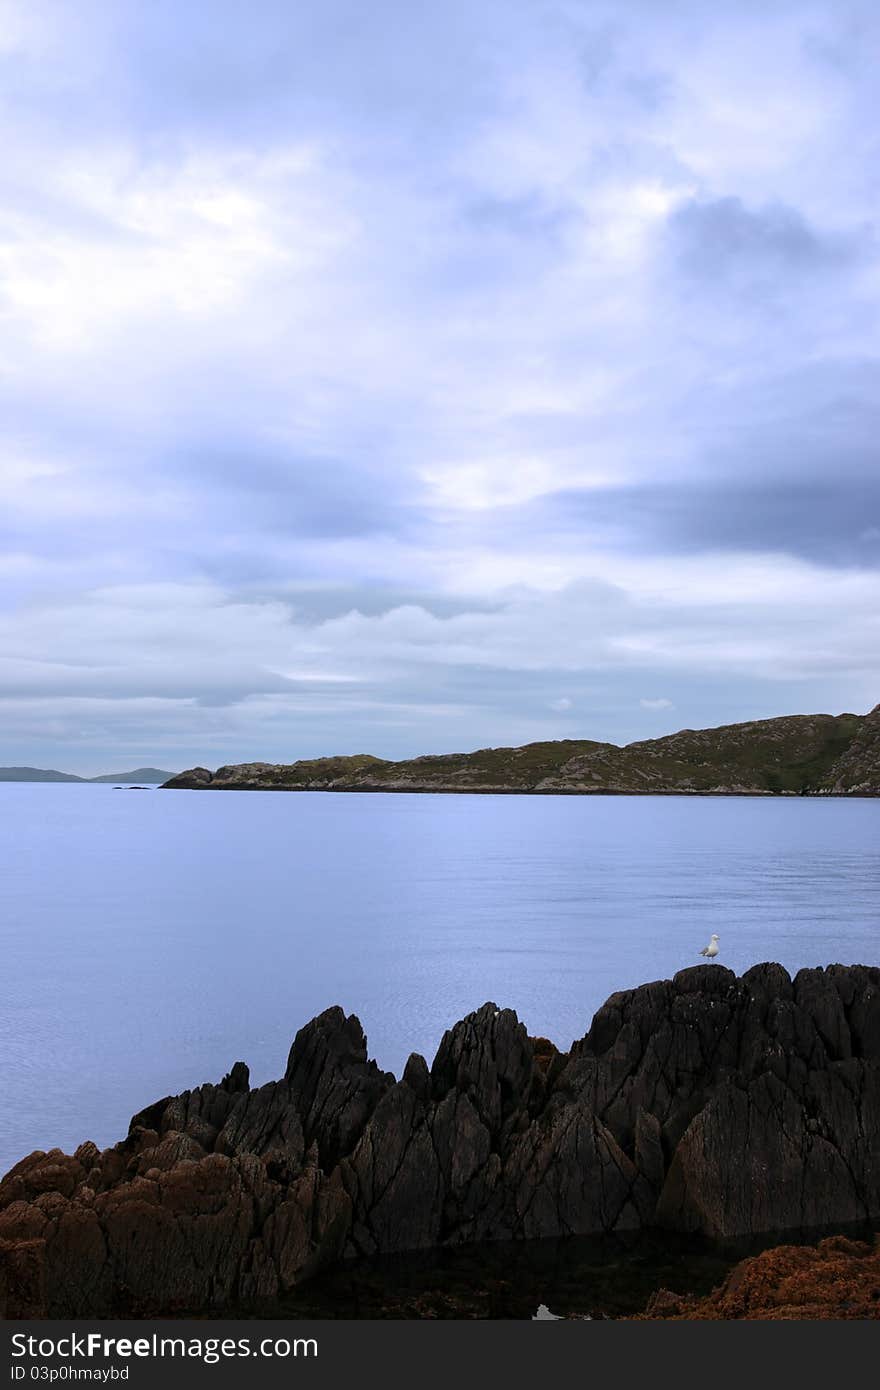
x=800, y=755
x=536, y=791
x=703, y=1106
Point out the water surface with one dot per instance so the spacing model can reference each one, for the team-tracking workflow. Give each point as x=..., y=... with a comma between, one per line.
x=149, y=939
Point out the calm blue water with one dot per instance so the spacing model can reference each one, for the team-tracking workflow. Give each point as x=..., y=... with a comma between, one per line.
x=150, y=939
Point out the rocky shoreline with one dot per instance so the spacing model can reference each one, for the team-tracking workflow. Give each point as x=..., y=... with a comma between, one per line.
x=838, y=1278
x=704, y=1105
x=645, y=1276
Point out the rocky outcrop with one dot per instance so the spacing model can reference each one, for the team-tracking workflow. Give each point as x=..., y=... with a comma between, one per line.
x=838, y=1278
x=309, y=774
x=705, y=1103
x=857, y=771
x=818, y=754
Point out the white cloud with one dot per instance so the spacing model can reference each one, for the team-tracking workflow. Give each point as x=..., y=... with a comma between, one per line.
x=199, y=652
x=188, y=242
x=394, y=314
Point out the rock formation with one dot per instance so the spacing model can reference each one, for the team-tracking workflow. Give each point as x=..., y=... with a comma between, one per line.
x=857, y=771
x=815, y=754
x=705, y=1103
x=838, y=1278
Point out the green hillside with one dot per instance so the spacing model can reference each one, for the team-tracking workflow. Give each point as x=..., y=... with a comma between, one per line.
x=794, y=754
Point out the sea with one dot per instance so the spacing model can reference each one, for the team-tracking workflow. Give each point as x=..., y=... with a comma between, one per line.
x=149, y=939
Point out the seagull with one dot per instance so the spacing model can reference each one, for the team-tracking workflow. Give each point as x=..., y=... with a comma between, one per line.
x=544, y=1315
x=712, y=949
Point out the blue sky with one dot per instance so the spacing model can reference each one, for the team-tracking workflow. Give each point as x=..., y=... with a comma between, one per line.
x=404, y=378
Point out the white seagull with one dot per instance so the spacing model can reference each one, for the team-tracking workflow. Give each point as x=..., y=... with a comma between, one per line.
x=712, y=949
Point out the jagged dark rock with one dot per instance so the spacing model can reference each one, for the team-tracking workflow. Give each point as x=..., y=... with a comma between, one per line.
x=705, y=1103
x=334, y=1086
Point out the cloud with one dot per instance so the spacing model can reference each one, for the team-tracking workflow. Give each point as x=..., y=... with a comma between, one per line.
x=815, y=519
x=196, y=667
x=723, y=240
x=376, y=382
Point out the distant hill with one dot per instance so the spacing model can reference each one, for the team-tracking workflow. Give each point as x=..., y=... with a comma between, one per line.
x=140, y=774
x=152, y=775
x=36, y=774
x=800, y=754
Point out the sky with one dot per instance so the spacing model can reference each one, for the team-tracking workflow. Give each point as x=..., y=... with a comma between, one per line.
x=398, y=378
